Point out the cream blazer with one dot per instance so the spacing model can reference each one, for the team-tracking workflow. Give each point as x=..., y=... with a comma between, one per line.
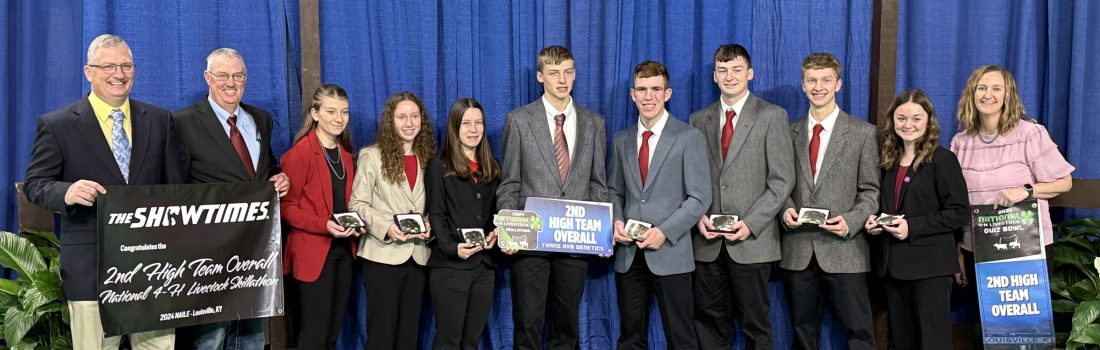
x=377, y=201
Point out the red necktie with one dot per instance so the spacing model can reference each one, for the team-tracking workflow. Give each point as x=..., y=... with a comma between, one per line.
x=815, y=143
x=643, y=155
x=561, y=149
x=727, y=132
x=242, y=149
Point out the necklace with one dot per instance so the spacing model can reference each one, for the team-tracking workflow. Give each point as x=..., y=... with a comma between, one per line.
x=982, y=137
x=330, y=162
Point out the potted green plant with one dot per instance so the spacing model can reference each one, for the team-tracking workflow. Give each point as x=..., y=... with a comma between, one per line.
x=33, y=303
x=1076, y=282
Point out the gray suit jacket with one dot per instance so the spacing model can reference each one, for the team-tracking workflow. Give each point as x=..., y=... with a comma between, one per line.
x=530, y=168
x=753, y=182
x=675, y=195
x=849, y=187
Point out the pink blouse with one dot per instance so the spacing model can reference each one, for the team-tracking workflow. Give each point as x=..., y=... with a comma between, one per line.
x=1024, y=155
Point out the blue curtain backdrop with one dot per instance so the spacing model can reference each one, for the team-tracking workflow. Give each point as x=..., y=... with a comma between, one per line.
x=487, y=49
x=445, y=50
x=1049, y=46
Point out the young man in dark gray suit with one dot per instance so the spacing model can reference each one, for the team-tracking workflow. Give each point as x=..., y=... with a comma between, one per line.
x=752, y=174
x=654, y=177
x=837, y=158
x=225, y=141
x=553, y=148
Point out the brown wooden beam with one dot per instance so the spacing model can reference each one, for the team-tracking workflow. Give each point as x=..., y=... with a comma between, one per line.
x=1085, y=194
x=884, y=57
x=311, y=50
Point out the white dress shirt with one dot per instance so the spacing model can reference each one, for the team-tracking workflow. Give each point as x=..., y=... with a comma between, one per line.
x=570, y=125
x=736, y=107
x=657, y=130
x=826, y=133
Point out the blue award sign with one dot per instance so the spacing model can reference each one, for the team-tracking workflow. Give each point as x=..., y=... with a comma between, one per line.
x=1013, y=286
x=557, y=225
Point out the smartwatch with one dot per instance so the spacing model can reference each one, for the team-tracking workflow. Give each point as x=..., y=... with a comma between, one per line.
x=1030, y=191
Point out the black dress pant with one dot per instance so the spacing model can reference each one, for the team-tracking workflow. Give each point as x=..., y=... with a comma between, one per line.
x=725, y=291
x=322, y=302
x=394, y=296
x=920, y=312
x=846, y=292
x=461, y=299
x=636, y=288
x=547, y=284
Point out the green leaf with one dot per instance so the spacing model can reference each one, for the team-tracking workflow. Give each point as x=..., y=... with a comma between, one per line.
x=7, y=301
x=1089, y=334
x=32, y=298
x=1083, y=291
x=1064, y=306
x=1076, y=242
x=1073, y=256
x=49, y=283
x=9, y=286
x=25, y=344
x=20, y=255
x=59, y=342
x=1086, y=313
x=16, y=324
x=51, y=307
x=46, y=235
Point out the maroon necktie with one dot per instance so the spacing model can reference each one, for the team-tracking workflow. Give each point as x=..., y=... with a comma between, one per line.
x=727, y=132
x=561, y=148
x=643, y=155
x=242, y=149
x=815, y=143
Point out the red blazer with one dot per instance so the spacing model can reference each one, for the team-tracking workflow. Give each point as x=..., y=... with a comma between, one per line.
x=307, y=206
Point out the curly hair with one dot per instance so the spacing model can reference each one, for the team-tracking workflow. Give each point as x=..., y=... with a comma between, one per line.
x=893, y=148
x=390, y=143
x=970, y=120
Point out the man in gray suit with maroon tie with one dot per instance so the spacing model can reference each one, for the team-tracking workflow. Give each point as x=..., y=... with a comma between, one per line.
x=838, y=171
x=553, y=148
x=654, y=178
x=752, y=174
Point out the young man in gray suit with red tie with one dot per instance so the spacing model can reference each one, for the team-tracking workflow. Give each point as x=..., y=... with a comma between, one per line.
x=837, y=170
x=654, y=178
x=752, y=174
x=553, y=148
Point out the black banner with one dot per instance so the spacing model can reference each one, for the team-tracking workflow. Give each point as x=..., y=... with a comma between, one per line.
x=181, y=255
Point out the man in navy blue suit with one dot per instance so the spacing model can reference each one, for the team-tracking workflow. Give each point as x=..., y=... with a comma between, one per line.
x=104, y=139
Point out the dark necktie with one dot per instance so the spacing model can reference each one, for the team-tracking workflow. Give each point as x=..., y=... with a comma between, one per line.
x=727, y=132
x=242, y=149
x=561, y=148
x=815, y=144
x=643, y=155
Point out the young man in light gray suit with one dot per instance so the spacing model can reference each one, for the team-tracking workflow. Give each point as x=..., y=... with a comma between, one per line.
x=837, y=171
x=654, y=177
x=752, y=174
x=553, y=148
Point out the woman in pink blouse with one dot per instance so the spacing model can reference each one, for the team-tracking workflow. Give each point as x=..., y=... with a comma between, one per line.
x=1006, y=157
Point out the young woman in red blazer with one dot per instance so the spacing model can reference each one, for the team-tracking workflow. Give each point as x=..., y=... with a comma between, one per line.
x=320, y=252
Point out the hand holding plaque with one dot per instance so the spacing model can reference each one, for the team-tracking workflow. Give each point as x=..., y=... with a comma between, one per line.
x=636, y=229
x=885, y=219
x=813, y=216
x=475, y=236
x=412, y=226
x=723, y=223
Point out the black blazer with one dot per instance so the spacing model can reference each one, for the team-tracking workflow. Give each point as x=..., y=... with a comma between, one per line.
x=209, y=157
x=936, y=207
x=69, y=146
x=454, y=203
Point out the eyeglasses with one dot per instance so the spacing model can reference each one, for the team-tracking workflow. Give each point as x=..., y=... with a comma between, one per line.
x=110, y=68
x=238, y=77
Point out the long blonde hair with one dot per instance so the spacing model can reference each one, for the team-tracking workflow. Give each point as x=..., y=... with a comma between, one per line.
x=892, y=147
x=970, y=120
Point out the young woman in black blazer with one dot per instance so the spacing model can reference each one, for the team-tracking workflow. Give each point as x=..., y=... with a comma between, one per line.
x=461, y=183
x=916, y=257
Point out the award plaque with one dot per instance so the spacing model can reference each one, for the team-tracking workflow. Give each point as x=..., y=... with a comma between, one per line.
x=475, y=236
x=636, y=229
x=887, y=219
x=410, y=224
x=349, y=219
x=723, y=223
x=813, y=216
